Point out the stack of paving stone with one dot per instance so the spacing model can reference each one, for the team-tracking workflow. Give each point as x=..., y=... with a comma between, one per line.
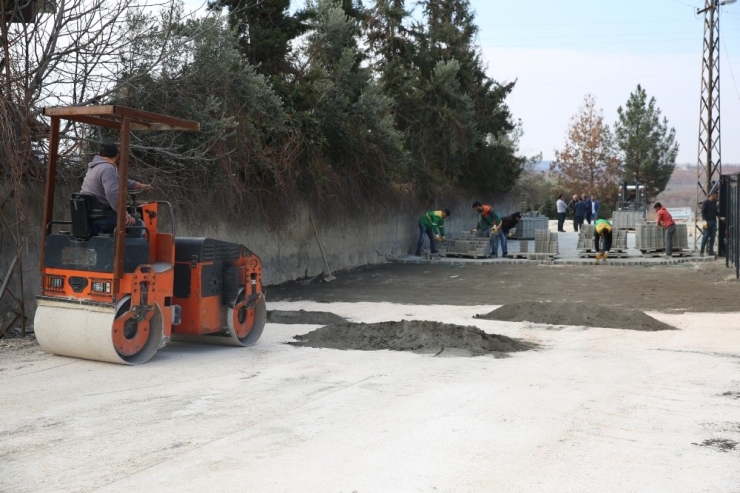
x=586, y=241
x=650, y=237
x=681, y=238
x=468, y=245
x=528, y=224
x=586, y=237
x=619, y=239
x=545, y=241
x=627, y=219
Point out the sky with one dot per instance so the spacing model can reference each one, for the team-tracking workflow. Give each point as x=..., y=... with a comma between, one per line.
x=559, y=51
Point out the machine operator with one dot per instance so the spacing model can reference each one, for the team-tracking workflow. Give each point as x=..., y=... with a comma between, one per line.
x=101, y=181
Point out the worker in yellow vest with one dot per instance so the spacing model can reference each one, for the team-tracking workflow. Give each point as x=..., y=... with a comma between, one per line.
x=432, y=225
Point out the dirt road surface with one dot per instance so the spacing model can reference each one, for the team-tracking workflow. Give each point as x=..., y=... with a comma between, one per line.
x=591, y=409
x=690, y=287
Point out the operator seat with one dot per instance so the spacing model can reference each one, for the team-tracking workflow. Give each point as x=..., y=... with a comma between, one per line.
x=86, y=208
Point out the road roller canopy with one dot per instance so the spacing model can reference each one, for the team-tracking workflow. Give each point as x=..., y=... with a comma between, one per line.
x=113, y=116
x=123, y=119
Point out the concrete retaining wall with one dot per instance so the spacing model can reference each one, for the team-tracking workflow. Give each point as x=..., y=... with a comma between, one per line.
x=291, y=254
x=348, y=242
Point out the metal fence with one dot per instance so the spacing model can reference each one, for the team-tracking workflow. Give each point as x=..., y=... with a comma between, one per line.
x=729, y=229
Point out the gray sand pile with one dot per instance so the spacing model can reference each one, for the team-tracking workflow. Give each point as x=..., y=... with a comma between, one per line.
x=304, y=317
x=412, y=335
x=579, y=314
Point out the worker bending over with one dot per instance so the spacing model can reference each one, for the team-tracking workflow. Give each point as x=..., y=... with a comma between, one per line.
x=488, y=225
x=432, y=224
x=507, y=224
x=603, y=233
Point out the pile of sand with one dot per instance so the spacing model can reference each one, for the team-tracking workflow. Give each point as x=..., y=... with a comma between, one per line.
x=579, y=314
x=412, y=335
x=303, y=317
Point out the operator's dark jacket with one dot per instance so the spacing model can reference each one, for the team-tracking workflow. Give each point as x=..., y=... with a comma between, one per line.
x=709, y=210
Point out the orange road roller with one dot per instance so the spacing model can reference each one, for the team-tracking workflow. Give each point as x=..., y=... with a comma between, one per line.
x=109, y=297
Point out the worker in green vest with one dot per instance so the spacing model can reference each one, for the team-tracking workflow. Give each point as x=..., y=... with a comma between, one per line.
x=432, y=225
x=603, y=234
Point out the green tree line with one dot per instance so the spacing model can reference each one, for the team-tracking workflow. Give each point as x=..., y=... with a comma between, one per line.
x=339, y=104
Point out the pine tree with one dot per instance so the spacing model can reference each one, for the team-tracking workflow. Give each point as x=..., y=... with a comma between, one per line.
x=392, y=51
x=360, y=145
x=648, y=148
x=461, y=128
x=264, y=30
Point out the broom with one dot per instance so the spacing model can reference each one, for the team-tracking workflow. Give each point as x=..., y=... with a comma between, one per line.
x=330, y=277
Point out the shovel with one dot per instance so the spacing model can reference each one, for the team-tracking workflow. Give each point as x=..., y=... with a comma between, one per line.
x=330, y=277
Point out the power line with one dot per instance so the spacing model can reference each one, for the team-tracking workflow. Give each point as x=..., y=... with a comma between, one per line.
x=687, y=4
x=593, y=35
x=656, y=41
x=729, y=63
x=550, y=24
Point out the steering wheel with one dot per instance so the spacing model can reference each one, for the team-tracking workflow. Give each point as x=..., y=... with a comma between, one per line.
x=131, y=202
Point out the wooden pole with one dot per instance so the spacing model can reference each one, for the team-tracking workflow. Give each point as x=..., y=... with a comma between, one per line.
x=120, y=257
x=51, y=176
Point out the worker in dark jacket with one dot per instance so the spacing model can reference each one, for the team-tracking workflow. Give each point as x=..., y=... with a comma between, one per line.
x=603, y=235
x=572, y=209
x=507, y=224
x=579, y=214
x=587, y=200
x=432, y=224
x=595, y=206
x=709, y=213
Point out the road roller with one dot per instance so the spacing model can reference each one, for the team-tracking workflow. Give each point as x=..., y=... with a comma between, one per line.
x=120, y=298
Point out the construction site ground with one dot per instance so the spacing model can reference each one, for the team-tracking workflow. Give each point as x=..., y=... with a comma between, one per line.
x=585, y=408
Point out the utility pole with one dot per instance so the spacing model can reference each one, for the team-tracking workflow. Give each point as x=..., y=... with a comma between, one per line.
x=709, y=162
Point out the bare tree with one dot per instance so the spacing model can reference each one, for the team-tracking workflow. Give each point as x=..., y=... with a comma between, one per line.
x=57, y=52
x=587, y=163
x=77, y=52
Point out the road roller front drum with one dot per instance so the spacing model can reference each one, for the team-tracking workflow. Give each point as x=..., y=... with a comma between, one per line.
x=138, y=332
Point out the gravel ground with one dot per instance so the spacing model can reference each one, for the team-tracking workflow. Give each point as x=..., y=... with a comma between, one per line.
x=591, y=409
